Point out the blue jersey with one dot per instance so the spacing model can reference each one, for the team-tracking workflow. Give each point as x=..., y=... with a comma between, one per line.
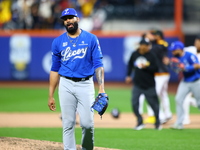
x=77, y=58
x=190, y=74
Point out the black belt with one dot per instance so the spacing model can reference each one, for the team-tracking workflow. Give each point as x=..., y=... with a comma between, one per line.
x=77, y=79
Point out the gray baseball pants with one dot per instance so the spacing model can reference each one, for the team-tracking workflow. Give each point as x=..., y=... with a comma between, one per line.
x=183, y=89
x=77, y=96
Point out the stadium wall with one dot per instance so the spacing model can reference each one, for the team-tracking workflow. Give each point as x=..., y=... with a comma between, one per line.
x=27, y=55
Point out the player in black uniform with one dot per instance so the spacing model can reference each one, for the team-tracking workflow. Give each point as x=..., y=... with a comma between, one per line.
x=162, y=76
x=145, y=64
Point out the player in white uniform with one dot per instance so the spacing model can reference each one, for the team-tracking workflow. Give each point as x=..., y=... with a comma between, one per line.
x=190, y=100
x=76, y=56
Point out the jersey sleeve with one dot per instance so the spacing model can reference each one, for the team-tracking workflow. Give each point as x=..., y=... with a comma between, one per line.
x=96, y=53
x=55, y=57
x=153, y=67
x=130, y=65
x=193, y=60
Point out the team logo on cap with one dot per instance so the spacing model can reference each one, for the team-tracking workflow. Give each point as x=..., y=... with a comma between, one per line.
x=66, y=11
x=172, y=45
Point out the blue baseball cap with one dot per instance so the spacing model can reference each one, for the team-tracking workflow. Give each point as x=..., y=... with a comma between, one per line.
x=176, y=45
x=68, y=12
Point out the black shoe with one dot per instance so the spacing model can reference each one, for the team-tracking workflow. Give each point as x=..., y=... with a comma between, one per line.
x=158, y=127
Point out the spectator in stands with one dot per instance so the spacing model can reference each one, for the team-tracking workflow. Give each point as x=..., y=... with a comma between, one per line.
x=5, y=12
x=43, y=14
x=36, y=23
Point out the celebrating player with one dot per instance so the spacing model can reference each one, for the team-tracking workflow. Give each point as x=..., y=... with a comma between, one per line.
x=145, y=64
x=76, y=56
x=189, y=65
x=159, y=47
x=190, y=100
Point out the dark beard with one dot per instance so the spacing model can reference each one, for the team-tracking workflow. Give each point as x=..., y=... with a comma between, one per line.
x=72, y=30
x=177, y=55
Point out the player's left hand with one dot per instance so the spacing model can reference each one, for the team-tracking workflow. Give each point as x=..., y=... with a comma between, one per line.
x=101, y=103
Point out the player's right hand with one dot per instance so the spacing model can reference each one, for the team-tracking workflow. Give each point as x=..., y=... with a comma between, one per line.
x=52, y=104
x=166, y=60
x=196, y=66
x=128, y=79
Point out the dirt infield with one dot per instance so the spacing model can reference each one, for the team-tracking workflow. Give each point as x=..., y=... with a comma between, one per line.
x=10, y=143
x=53, y=120
x=35, y=120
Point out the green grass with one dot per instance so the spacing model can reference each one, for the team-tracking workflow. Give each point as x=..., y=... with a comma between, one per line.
x=126, y=139
x=25, y=100
x=35, y=100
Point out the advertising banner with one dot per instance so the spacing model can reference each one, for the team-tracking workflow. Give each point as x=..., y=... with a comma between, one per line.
x=25, y=57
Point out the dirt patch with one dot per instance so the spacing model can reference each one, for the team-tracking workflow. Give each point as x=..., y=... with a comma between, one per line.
x=12, y=143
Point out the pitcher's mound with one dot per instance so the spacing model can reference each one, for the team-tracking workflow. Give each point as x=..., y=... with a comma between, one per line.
x=12, y=143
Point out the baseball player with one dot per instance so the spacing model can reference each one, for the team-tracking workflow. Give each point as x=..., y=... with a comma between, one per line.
x=159, y=47
x=189, y=65
x=190, y=100
x=76, y=56
x=145, y=64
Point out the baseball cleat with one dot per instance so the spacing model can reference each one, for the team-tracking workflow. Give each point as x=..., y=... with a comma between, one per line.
x=176, y=126
x=163, y=121
x=186, y=121
x=158, y=127
x=139, y=127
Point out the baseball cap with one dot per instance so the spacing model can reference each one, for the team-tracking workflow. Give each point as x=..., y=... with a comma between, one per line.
x=68, y=12
x=176, y=45
x=145, y=41
x=157, y=32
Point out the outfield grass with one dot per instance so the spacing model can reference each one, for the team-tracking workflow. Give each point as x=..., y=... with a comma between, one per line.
x=126, y=139
x=35, y=100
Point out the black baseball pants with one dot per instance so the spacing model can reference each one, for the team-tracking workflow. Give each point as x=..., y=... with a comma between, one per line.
x=152, y=99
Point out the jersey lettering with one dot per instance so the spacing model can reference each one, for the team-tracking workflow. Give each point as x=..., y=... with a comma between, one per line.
x=68, y=53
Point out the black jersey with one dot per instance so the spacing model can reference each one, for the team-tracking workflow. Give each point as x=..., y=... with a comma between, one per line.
x=143, y=78
x=161, y=51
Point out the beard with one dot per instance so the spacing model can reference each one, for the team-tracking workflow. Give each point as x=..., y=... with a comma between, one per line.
x=177, y=55
x=72, y=30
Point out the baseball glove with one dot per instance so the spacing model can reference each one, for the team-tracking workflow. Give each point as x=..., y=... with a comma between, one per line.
x=101, y=103
x=176, y=65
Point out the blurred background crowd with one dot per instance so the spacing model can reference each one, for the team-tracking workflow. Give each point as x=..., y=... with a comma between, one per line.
x=27, y=27
x=44, y=14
